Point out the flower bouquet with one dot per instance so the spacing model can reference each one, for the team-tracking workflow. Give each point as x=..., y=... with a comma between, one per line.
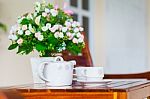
x=47, y=30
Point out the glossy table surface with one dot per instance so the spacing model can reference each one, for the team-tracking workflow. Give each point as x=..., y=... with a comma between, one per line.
x=106, y=86
x=111, y=89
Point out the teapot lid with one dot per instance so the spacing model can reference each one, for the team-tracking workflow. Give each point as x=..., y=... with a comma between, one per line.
x=59, y=59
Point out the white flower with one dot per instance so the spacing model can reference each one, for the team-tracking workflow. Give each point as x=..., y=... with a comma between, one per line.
x=20, y=32
x=20, y=41
x=80, y=40
x=56, y=34
x=35, y=14
x=31, y=29
x=44, y=28
x=37, y=6
x=27, y=32
x=78, y=24
x=13, y=29
x=12, y=37
x=56, y=27
x=44, y=14
x=37, y=9
x=19, y=20
x=40, y=38
x=76, y=30
x=24, y=27
x=60, y=27
x=70, y=20
x=68, y=24
x=64, y=48
x=69, y=35
x=54, y=12
x=60, y=49
x=61, y=35
x=47, y=10
x=73, y=34
x=29, y=16
x=75, y=40
x=37, y=34
x=64, y=29
x=74, y=24
x=37, y=20
x=63, y=44
x=52, y=30
x=81, y=29
x=48, y=25
x=78, y=34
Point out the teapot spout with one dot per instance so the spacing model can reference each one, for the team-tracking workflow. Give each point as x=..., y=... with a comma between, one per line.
x=73, y=62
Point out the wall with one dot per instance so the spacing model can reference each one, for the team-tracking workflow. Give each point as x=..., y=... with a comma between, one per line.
x=126, y=32
x=99, y=50
x=148, y=29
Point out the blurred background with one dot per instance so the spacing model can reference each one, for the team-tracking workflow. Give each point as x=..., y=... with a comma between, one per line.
x=118, y=32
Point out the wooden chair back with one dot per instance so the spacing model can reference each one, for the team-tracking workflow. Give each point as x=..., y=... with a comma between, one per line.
x=143, y=75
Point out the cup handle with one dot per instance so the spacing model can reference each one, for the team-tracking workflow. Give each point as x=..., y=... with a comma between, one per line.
x=41, y=71
x=83, y=73
x=74, y=75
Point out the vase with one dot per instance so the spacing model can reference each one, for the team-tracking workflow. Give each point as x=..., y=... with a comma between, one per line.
x=53, y=71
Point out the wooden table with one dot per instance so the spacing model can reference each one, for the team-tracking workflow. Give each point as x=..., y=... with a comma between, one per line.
x=115, y=89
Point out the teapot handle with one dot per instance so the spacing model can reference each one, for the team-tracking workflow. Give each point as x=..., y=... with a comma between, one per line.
x=43, y=65
x=41, y=71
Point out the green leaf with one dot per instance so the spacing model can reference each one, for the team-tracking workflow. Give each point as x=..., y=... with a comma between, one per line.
x=20, y=49
x=40, y=47
x=25, y=21
x=13, y=46
x=29, y=50
x=3, y=27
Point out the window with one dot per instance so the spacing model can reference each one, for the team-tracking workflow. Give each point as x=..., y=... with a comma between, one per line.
x=83, y=13
x=74, y=3
x=86, y=25
x=85, y=4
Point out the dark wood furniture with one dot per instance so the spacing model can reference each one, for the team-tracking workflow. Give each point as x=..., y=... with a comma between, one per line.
x=144, y=75
x=116, y=89
x=10, y=94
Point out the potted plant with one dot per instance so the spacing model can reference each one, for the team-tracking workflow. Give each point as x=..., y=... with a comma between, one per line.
x=48, y=30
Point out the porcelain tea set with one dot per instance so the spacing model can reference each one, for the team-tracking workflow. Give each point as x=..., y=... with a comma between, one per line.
x=60, y=73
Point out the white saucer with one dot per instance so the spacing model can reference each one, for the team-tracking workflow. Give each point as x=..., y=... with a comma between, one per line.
x=98, y=81
x=62, y=87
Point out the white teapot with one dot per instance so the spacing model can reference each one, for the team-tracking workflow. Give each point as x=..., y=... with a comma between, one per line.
x=57, y=72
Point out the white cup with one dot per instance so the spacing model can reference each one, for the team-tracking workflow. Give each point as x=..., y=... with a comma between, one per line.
x=89, y=73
